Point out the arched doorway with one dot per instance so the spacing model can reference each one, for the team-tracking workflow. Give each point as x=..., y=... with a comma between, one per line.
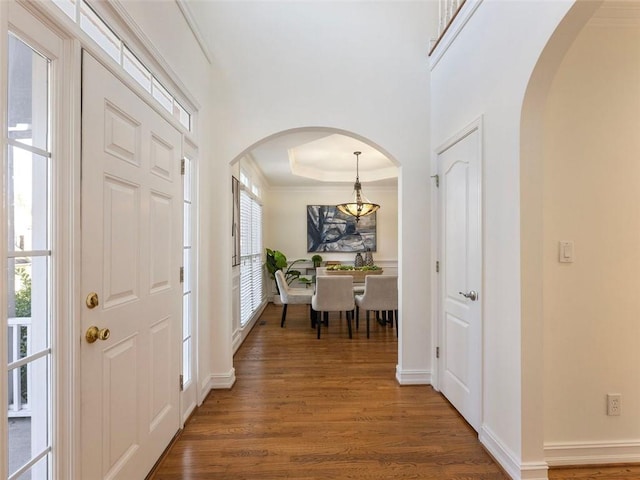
x=302, y=167
x=579, y=176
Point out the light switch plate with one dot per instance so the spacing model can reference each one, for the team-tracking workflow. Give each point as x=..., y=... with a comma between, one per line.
x=565, y=253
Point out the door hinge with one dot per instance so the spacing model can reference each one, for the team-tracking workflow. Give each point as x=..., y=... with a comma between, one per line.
x=181, y=383
x=437, y=266
x=182, y=166
x=437, y=177
x=181, y=274
x=437, y=352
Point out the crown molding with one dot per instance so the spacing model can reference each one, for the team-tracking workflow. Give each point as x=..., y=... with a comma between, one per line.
x=195, y=30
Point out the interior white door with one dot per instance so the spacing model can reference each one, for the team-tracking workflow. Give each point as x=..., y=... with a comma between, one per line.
x=131, y=256
x=460, y=365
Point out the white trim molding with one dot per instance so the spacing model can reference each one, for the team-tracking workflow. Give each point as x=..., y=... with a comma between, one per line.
x=508, y=460
x=195, y=30
x=455, y=27
x=413, y=377
x=218, y=381
x=591, y=453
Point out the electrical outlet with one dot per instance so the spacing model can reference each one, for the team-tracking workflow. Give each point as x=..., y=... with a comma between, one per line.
x=613, y=404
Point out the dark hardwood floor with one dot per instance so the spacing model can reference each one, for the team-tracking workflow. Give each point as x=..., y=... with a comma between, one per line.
x=305, y=409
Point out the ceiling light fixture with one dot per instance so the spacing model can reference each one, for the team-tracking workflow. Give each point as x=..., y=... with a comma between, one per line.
x=361, y=206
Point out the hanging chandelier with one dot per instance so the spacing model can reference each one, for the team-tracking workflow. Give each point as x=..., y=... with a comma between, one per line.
x=360, y=206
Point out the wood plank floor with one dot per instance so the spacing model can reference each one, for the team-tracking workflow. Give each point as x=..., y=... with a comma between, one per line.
x=306, y=409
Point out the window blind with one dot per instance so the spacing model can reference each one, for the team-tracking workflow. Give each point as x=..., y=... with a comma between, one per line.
x=251, y=291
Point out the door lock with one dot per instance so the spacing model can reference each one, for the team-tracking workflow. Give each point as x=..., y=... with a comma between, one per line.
x=92, y=300
x=472, y=295
x=94, y=333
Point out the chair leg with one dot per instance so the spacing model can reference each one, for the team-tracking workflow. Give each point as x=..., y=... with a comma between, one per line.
x=395, y=313
x=314, y=317
x=284, y=314
x=349, y=315
x=318, y=322
x=357, y=317
x=367, y=323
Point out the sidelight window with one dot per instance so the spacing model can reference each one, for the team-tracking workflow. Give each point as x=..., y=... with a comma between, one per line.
x=28, y=317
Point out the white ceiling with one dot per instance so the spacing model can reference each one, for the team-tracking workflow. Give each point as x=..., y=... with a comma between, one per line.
x=312, y=157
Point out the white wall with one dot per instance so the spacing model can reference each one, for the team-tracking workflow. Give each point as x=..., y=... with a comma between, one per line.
x=592, y=197
x=286, y=220
x=485, y=72
x=359, y=67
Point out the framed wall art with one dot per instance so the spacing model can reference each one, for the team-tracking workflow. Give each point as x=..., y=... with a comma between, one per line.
x=329, y=230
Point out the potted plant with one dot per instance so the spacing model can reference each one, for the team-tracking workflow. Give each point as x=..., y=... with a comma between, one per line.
x=317, y=260
x=277, y=260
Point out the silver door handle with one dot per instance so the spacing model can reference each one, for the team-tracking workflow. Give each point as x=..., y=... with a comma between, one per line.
x=472, y=295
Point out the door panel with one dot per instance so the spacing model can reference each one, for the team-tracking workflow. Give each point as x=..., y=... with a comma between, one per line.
x=460, y=367
x=131, y=255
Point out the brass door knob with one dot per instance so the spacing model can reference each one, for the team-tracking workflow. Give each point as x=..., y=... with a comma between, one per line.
x=94, y=333
x=92, y=300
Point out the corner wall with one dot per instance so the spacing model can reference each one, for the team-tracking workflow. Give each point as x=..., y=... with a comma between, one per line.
x=487, y=75
x=592, y=197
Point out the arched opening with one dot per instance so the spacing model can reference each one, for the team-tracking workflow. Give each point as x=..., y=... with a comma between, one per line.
x=326, y=170
x=580, y=231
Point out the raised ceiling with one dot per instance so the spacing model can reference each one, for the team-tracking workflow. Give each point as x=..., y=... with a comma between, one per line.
x=309, y=158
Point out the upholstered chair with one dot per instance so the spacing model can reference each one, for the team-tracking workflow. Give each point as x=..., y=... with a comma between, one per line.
x=290, y=295
x=380, y=294
x=334, y=293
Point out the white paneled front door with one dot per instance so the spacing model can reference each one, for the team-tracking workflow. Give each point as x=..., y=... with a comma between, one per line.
x=460, y=363
x=131, y=256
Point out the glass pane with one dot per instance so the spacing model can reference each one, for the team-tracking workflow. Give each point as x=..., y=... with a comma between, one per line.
x=27, y=192
x=134, y=68
x=28, y=95
x=98, y=31
x=183, y=116
x=186, y=316
x=186, y=362
x=187, y=225
x=29, y=429
x=27, y=301
x=162, y=96
x=187, y=270
x=187, y=179
x=68, y=7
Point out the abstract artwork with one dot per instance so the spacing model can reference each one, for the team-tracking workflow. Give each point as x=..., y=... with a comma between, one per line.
x=329, y=230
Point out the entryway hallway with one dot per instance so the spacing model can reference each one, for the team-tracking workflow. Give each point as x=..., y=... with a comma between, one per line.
x=305, y=408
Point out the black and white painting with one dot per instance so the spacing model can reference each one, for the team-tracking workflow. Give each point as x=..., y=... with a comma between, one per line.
x=330, y=230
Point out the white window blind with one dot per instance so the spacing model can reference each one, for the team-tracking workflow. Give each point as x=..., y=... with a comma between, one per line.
x=251, y=291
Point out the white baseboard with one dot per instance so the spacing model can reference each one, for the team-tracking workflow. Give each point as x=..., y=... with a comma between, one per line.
x=508, y=461
x=591, y=453
x=218, y=381
x=413, y=377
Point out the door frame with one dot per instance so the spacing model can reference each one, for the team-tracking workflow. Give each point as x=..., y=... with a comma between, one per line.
x=437, y=253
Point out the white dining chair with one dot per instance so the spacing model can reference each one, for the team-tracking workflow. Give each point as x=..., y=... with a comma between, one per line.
x=291, y=295
x=333, y=294
x=380, y=295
